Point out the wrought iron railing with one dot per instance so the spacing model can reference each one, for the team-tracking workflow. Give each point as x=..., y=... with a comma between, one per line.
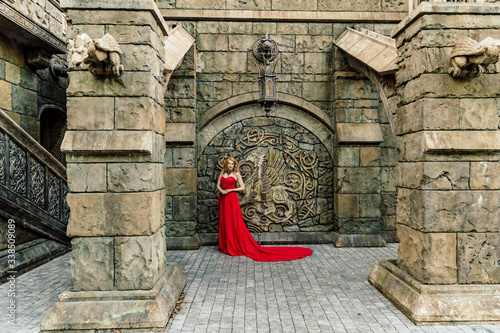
x=33, y=184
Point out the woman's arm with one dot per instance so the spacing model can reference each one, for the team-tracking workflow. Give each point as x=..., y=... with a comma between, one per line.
x=240, y=182
x=218, y=184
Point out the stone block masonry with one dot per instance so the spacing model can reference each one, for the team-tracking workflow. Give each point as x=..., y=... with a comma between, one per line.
x=448, y=214
x=117, y=189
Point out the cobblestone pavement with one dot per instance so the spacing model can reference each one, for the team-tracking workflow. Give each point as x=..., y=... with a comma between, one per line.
x=327, y=292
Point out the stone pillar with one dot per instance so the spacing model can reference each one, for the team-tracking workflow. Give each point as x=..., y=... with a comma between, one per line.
x=180, y=158
x=448, y=208
x=357, y=158
x=115, y=149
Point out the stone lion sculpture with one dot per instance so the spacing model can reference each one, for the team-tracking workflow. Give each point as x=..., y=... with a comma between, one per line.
x=102, y=55
x=469, y=57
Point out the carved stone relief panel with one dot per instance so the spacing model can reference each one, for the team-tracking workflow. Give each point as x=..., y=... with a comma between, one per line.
x=287, y=174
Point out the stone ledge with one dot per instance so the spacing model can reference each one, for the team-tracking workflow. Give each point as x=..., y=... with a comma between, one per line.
x=436, y=304
x=108, y=142
x=183, y=243
x=426, y=8
x=273, y=238
x=134, y=310
x=463, y=141
x=357, y=133
x=138, y=5
x=359, y=241
x=281, y=16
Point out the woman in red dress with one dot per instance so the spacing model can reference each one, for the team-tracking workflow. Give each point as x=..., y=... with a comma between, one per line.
x=234, y=237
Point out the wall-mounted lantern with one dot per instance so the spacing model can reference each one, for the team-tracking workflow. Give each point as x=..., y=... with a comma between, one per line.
x=265, y=50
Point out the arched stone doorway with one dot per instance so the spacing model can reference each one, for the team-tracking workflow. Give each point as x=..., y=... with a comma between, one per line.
x=52, y=129
x=286, y=162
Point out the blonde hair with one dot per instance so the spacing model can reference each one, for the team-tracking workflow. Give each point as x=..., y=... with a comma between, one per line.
x=236, y=167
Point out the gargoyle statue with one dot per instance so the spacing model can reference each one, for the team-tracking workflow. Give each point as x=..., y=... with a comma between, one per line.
x=469, y=58
x=102, y=55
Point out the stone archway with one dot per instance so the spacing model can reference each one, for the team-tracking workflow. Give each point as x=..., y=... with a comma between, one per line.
x=297, y=204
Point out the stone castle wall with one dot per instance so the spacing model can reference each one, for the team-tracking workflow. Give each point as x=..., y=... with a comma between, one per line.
x=215, y=81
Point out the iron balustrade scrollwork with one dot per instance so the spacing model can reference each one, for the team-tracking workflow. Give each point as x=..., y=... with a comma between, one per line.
x=33, y=184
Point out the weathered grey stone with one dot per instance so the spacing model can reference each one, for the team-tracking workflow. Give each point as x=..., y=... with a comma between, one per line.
x=92, y=263
x=140, y=84
x=139, y=113
x=113, y=214
x=484, y=175
x=347, y=88
x=479, y=113
x=356, y=5
x=208, y=27
x=358, y=180
x=346, y=205
x=135, y=177
x=445, y=86
x=292, y=63
x=23, y=100
x=212, y=42
x=181, y=87
x=317, y=91
x=91, y=113
x=216, y=91
x=359, y=133
x=359, y=241
x=12, y=73
x=141, y=58
x=183, y=157
x=222, y=62
x=240, y=43
x=369, y=156
x=86, y=177
x=292, y=28
x=317, y=63
x=139, y=261
x=428, y=113
x=314, y=43
x=6, y=92
x=450, y=211
x=180, y=181
x=262, y=28
x=184, y=208
x=235, y=27
x=434, y=175
x=182, y=115
x=429, y=304
x=201, y=4
x=180, y=132
x=109, y=142
x=369, y=205
x=428, y=257
x=180, y=228
x=478, y=258
x=363, y=226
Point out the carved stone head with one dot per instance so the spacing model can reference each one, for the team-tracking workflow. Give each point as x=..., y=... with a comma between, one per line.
x=79, y=49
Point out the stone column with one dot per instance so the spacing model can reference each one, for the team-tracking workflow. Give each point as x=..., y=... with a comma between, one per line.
x=357, y=162
x=115, y=149
x=180, y=158
x=448, y=209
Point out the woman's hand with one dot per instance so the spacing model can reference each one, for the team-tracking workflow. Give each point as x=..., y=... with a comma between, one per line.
x=224, y=192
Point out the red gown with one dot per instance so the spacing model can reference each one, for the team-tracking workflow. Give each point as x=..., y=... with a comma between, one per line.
x=236, y=240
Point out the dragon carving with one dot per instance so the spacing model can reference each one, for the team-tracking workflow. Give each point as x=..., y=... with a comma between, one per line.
x=469, y=57
x=280, y=178
x=102, y=55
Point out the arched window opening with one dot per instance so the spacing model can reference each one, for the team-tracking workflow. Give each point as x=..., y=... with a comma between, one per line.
x=52, y=129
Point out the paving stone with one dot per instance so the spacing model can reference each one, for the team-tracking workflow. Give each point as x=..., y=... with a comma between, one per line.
x=321, y=293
